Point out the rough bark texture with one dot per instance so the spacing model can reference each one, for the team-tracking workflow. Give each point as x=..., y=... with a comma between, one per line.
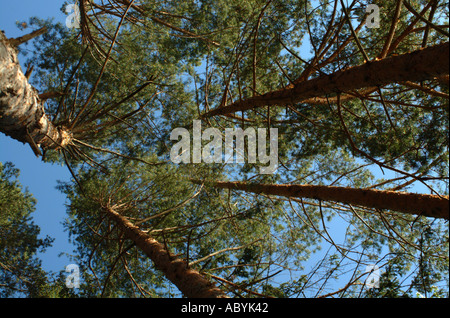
x=190, y=282
x=22, y=114
x=424, y=64
x=411, y=203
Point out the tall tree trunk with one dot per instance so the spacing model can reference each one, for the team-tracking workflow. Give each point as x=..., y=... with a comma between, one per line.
x=411, y=203
x=22, y=114
x=424, y=64
x=190, y=282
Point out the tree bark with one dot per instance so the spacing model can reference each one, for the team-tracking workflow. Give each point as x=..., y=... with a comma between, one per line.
x=190, y=282
x=420, y=65
x=411, y=203
x=22, y=115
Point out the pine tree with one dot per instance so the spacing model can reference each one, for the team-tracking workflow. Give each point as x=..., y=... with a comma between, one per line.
x=367, y=99
x=21, y=274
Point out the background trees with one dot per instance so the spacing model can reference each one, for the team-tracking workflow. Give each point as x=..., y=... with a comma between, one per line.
x=135, y=70
x=21, y=272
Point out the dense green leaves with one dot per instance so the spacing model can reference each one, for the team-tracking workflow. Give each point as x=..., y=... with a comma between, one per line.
x=133, y=73
x=20, y=269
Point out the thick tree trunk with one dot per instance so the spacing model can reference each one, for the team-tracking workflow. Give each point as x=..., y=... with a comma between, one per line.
x=411, y=203
x=22, y=114
x=424, y=64
x=190, y=282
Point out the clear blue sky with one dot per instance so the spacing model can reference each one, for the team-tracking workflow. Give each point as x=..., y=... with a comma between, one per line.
x=40, y=178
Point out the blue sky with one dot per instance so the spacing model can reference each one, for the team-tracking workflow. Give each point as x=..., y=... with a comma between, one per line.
x=40, y=178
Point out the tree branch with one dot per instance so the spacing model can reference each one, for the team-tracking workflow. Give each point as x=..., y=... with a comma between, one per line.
x=419, y=65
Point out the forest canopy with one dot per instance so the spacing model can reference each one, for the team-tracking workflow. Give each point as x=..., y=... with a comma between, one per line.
x=358, y=98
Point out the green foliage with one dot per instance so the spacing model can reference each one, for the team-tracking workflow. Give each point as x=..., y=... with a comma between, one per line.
x=124, y=94
x=20, y=269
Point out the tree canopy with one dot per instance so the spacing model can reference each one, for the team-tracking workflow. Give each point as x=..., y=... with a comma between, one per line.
x=361, y=114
